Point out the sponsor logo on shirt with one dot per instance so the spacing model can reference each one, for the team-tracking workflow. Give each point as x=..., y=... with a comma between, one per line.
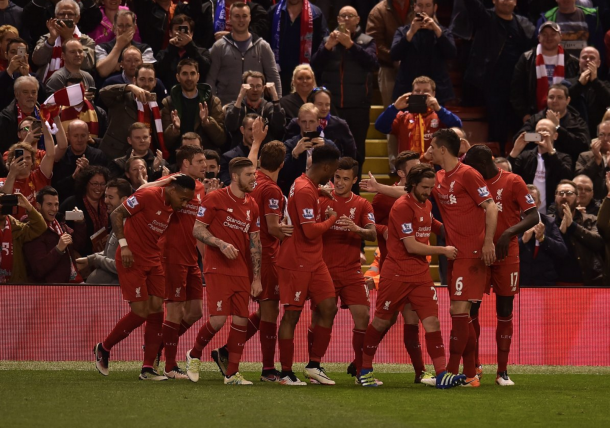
x=274, y=204
x=407, y=228
x=308, y=213
x=371, y=217
x=234, y=223
x=529, y=199
x=483, y=192
x=132, y=202
x=201, y=212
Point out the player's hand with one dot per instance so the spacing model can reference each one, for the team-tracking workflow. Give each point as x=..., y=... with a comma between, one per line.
x=362, y=258
x=502, y=246
x=126, y=257
x=450, y=252
x=82, y=263
x=229, y=251
x=256, y=288
x=286, y=229
x=348, y=223
x=370, y=283
x=402, y=101
x=489, y=253
x=326, y=192
x=259, y=130
x=64, y=241
x=330, y=212
x=370, y=184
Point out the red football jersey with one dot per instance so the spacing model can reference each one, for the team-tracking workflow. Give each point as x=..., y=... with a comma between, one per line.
x=408, y=218
x=342, y=247
x=178, y=245
x=150, y=217
x=297, y=251
x=270, y=201
x=512, y=197
x=458, y=194
x=230, y=219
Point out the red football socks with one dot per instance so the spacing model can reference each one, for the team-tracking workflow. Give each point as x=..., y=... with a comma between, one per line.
x=321, y=340
x=477, y=331
x=372, y=339
x=184, y=326
x=436, y=350
x=153, y=337
x=458, y=340
x=253, y=325
x=286, y=353
x=504, y=336
x=205, y=334
x=170, y=342
x=309, y=339
x=122, y=329
x=235, y=346
x=470, y=369
x=357, y=343
x=411, y=339
x=268, y=338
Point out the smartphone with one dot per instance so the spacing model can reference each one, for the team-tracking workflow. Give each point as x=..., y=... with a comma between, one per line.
x=75, y=215
x=311, y=134
x=210, y=174
x=342, y=28
x=69, y=22
x=18, y=153
x=21, y=51
x=152, y=96
x=419, y=16
x=417, y=104
x=533, y=137
x=183, y=29
x=8, y=203
x=37, y=125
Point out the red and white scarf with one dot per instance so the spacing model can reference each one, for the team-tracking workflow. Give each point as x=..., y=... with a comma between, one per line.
x=74, y=275
x=542, y=87
x=56, y=62
x=154, y=107
x=6, y=253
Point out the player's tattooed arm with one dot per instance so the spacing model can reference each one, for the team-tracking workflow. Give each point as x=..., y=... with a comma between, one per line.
x=256, y=250
x=367, y=233
x=117, y=217
x=201, y=233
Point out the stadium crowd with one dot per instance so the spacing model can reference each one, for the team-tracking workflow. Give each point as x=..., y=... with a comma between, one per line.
x=119, y=122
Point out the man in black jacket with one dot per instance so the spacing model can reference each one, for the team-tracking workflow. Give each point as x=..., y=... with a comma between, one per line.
x=595, y=163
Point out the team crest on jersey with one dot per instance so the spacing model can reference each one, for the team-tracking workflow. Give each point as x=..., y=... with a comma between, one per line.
x=248, y=215
x=451, y=186
x=483, y=192
x=199, y=197
x=274, y=204
x=434, y=123
x=529, y=199
x=407, y=228
x=297, y=296
x=352, y=213
x=132, y=202
x=371, y=217
x=421, y=219
x=308, y=213
x=499, y=194
x=138, y=292
x=201, y=212
x=178, y=291
x=386, y=305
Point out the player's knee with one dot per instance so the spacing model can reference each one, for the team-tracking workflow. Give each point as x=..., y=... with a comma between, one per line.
x=291, y=317
x=218, y=322
x=504, y=305
x=380, y=324
x=431, y=324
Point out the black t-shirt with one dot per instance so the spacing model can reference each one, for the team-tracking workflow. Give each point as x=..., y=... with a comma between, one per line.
x=190, y=110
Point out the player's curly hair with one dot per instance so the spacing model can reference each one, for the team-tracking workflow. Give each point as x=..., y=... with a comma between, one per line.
x=417, y=174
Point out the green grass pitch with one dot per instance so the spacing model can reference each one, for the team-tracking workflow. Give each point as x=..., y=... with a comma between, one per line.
x=75, y=395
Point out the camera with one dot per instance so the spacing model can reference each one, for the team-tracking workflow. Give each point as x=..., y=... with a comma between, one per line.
x=311, y=134
x=8, y=203
x=75, y=215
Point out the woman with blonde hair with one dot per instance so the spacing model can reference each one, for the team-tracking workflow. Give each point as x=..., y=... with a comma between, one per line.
x=303, y=82
x=7, y=33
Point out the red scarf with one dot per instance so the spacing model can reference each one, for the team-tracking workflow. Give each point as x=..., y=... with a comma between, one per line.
x=6, y=253
x=87, y=114
x=74, y=275
x=56, y=62
x=21, y=116
x=306, y=33
x=157, y=123
x=417, y=128
x=100, y=219
x=542, y=87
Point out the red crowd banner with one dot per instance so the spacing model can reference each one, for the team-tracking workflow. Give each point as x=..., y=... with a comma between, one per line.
x=552, y=326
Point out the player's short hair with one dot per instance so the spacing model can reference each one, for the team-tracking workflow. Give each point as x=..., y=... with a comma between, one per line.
x=182, y=19
x=308, y=108
x=254, y=75
x=16, y=40
x=346, y=163
x=122, y=186
x=239, y=163
x=135, y=126
x=187, y=152
x=46, y=190
x=191, y=136
x=25, y=146
x=272, y=155
x=183, y=181
x=248, y=117
x=212, y=155
x=417, y=174
x=422, y=80
x=145, y=67
x=449, y=139
x=85, y=175
x=132, y=160
x=500, y=159
x=480, y=154
x=125, y=12
x=187, y=61
x=404, y=157
x=570, y=182
x=560, y=87
x=239, y=5
x=324, y=154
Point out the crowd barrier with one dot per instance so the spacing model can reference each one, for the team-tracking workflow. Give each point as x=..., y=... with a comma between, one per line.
x=552, y=326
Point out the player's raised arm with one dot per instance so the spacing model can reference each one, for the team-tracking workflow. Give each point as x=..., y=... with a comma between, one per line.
x=491, y=220
x=372, y=185
x=201, y=233
x=256, y=250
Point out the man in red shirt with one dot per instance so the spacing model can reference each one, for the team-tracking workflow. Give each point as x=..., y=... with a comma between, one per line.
x=405, y=276
x=302, y=273
x=228, y=223
x=512, y=198
x=138, y=262
x=469, y=215
x=342, y=241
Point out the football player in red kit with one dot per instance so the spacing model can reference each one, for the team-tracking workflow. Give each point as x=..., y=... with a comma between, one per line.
x=512, y=198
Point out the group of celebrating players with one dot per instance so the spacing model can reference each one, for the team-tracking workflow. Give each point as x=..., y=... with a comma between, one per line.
x=256, y=244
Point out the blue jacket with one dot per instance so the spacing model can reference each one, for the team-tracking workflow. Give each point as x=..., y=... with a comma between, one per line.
x=384, y=121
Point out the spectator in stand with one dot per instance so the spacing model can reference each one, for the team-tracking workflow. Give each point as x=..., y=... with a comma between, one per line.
x=303, y=82
x=138, y=137
x=136, y=172
x=585, y=202
x=95, y=117
x=423, y=49
x=191, y=107
x=238, y=52
x=88, y=197
x=500, y=37
x=594, y=92
x=603, y=225
x=72, y=57
x=130, y=103
x=572, y=130
x=103, y=264
x=191, y=139
x=251, y=100
x=580, y=26
x=38, y=13
x=538, y=69
x=544, y=167
x=299, y=147
x=346, y=61
x=24, y=105
x=51, y=257
x=259, y=23
x=7, y=33
x=181, y=46
x=10, y=14
x=297, y=29
x=110, y=53
x=212, y=160
x=330, y=127
x=106, y=30
x=583, y=264
x=79, y=155
x=595, y=163
x=243, y=149
x=48, y=56
x=414, y=130
x=503, y=163
x=539, y=247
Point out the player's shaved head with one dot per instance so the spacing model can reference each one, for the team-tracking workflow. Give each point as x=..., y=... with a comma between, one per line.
x=324, y=154
x=324, y=161
x=183, y=181
x=180, y=191
x=480, y=158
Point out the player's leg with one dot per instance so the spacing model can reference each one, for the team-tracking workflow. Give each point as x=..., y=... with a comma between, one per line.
x=315, y=317
x=239, y=330
x=361, y=317
x=153, y=332
x=504, y=335
x=474, y=317
x=268, y=338
x=171, y=330
x=411, y=340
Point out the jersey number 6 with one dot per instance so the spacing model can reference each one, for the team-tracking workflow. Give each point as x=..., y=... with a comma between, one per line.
x=459, y=286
